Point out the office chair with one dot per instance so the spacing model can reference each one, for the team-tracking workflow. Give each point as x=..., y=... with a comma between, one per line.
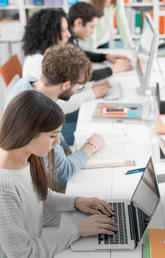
x=10, y=69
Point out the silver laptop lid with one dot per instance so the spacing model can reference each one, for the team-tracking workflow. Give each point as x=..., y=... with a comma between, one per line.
x=146, y=196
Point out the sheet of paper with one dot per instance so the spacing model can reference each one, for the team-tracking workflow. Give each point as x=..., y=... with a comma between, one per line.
x=117, y=152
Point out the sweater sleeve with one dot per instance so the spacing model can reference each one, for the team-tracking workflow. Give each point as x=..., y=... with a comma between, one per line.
x=75, y=101
x=100, y=74
x=17, y=242
x=122, y=24
x=59, y=202
x=95, y=57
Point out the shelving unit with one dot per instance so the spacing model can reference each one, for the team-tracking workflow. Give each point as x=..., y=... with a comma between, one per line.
x=153, y=6
x=13, y=34
x=22, y=8
x=11, y=31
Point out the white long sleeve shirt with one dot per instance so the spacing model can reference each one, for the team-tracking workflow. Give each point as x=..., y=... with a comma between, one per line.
x=33, y=67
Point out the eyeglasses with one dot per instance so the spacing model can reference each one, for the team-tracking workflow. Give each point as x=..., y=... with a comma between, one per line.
x=81, y=85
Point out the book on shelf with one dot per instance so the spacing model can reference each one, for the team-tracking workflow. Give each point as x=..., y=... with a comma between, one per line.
x=3, y=3
x=72, y=2
x=162, y=22
x=135, y=21
x=154, y=243
x=53, y=2
x=118, y=111
x=44, y=2
x=116, y=153
x=38, y=2
x=138, y=22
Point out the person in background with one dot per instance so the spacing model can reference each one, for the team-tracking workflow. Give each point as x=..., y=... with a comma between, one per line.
x=101, y=35
x=46, y=28
x=30, y=211
x=83, y=18
x=64, y=69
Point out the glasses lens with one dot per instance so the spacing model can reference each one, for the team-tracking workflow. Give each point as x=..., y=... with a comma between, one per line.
x=81, y=86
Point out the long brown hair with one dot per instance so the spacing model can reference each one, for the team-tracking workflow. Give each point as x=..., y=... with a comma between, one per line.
x=26, y=116
x=100, y=4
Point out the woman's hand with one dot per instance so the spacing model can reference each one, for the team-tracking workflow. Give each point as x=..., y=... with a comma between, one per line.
x=96, y=224
x=93, y=206
x=94, y=144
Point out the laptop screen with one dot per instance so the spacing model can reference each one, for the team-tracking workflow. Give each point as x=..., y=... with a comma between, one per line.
x=146, y=196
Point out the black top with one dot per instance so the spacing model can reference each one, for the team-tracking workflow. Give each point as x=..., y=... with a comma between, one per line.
x=97, y=74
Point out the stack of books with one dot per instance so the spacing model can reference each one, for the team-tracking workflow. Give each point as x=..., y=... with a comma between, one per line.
x=154, y=243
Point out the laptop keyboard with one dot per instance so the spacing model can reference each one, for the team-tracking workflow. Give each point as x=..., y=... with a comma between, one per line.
x=119, y=237
x=115, y=92
x=142, y=220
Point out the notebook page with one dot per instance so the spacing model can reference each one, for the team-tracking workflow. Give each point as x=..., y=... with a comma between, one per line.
x=117, y=151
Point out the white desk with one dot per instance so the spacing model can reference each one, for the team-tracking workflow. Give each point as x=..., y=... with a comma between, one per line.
x=112, y=183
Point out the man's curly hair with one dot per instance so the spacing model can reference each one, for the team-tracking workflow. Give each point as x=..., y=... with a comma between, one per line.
x=66, y=63
x=42, y=30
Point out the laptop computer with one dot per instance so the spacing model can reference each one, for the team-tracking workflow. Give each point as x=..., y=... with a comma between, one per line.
x=132, y=217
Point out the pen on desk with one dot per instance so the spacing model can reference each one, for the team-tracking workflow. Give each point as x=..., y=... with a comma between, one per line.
x=134, y=171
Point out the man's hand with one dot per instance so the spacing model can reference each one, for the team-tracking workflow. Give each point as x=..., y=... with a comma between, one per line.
x=114, y=58
x=121, y=66
x=101, y=88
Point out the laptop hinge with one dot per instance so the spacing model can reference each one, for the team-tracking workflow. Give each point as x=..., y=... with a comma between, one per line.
x=133, y=224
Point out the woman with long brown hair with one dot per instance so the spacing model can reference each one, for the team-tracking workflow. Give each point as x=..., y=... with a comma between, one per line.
x=29, y=210
x=101, y=37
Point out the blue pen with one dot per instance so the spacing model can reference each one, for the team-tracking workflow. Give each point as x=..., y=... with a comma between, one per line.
x=138, y=170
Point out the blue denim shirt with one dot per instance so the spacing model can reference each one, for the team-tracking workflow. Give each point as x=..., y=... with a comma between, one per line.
x=66, y=166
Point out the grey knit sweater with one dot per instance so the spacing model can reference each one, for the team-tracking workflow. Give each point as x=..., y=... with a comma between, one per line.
x=29, y=227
